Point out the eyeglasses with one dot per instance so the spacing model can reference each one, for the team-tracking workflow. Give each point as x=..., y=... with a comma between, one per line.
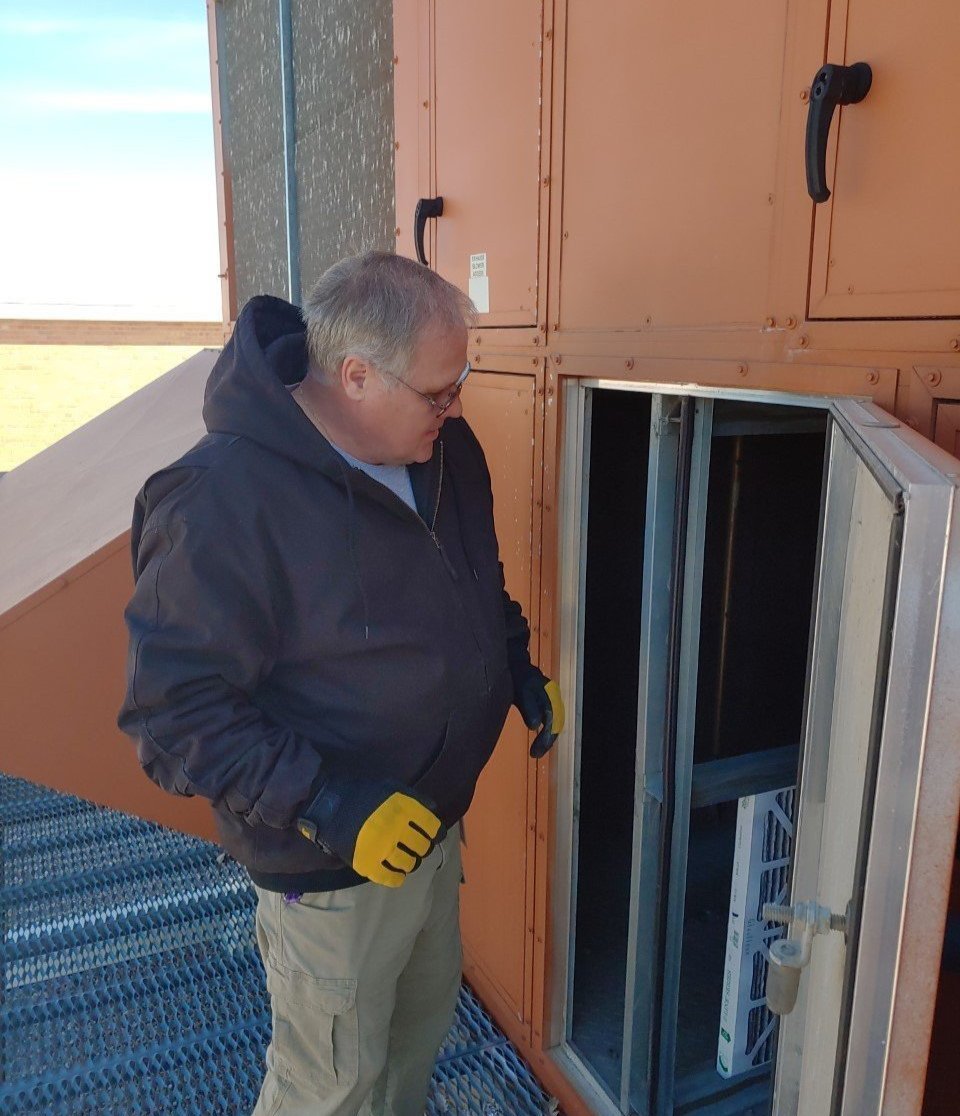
x=438, y=408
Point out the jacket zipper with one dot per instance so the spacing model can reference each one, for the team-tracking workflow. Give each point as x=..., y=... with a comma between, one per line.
x=454, y=576
x=436, y=506
x=446, y=561
x=433, y=525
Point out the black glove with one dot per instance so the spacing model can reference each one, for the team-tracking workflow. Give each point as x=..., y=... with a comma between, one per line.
x=541, y=707
x=381, y=828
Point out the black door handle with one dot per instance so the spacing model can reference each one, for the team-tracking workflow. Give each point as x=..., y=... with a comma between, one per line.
x=426, y=207
x=833, y=85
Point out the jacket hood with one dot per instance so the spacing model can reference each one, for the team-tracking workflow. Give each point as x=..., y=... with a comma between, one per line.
x=248, y=394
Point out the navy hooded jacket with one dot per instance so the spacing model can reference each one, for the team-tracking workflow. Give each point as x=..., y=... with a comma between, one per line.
x=292, y=616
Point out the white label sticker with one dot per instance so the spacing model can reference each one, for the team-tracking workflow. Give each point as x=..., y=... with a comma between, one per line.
x=480, y=293
x=478, y=266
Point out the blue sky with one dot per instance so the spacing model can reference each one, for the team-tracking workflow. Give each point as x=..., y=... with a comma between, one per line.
x=107, y=188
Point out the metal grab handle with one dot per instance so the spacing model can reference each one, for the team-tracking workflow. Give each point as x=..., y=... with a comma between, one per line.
x=833, y=85
x=426, y=207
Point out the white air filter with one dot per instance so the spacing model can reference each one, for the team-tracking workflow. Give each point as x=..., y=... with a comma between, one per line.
x=760, y=862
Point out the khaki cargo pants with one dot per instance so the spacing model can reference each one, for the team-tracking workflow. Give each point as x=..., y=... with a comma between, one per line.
x=363, y=986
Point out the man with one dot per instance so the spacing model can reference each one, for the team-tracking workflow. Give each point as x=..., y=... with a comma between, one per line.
x=321, y=644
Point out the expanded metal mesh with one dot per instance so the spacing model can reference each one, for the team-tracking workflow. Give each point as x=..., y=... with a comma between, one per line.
x=130, y=980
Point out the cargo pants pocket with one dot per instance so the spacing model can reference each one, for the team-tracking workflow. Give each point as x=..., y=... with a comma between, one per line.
x=315, y=1027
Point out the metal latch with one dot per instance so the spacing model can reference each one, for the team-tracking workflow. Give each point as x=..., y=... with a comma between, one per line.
x=789, y=955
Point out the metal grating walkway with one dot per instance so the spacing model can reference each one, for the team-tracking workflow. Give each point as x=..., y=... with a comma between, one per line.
x=131, y=982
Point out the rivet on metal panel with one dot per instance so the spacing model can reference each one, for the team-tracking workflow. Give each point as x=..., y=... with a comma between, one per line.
x=933, y=377
x=566, y=235
x=397, y=230
x=849, y=288
x=476, y=358
x=804, y=95
x=873, y=376
x=955, y=343
x=535, y=361
x=791, y=322
x=833, y=263
x=557, y=359
x=769, y=323
x=542, y=327
x=803, y=340
x=539, y=389
x=396, y=59
x=546, y=180
x=648, y=320
x=769, y=199
x=741, y=370
x=536, y=339
x=479, y=338
x=628, y=363
x=556, y=326
x=396, y=145
x=548, y=34
x=426, y=104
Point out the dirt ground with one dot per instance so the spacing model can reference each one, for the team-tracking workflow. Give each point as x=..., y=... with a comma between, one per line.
x=46, y=391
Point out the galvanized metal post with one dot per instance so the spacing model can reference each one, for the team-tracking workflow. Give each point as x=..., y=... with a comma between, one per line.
x=290, y=152
x=219, y=89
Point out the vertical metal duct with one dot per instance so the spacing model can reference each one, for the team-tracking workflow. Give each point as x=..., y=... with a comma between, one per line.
x=289, y=152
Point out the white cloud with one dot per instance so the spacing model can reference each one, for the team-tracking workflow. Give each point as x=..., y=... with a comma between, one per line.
x=17, y=25
x=124, y=41
x=144, y=241
x=182, y=31
x=92, y=100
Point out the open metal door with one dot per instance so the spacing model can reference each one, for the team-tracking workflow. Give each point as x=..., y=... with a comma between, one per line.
x=880, y=772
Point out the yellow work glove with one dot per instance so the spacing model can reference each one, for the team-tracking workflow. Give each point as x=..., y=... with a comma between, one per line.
x=541, y=705
x=379, y=827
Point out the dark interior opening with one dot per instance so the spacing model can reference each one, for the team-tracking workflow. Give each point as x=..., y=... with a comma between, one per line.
x=763, y=516
x=762, y=528
x=761, y=534
x=617, y=494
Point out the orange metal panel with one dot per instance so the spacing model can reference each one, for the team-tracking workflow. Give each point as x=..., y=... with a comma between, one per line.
x=546, y=1022
x=63, y=668
x=876, y=382
x=793, y=208
x=411, y=75
x=487, y=68
x=888, y=241
x=679, y=252
x=66, y=331
x=669, y=162
x=501, y=410
x=923, y=393
x=65, y=578
x=947, y=430
x=538, y=811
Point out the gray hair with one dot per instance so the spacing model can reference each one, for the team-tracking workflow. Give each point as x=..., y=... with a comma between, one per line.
x=377, y=306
